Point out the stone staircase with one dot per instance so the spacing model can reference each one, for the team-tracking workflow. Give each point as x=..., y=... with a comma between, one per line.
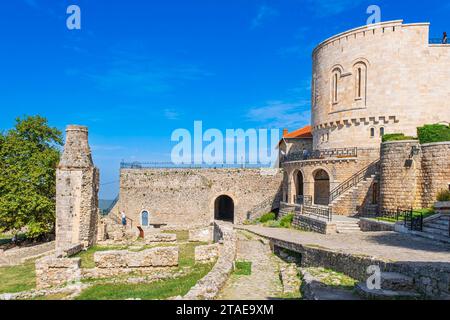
x=394, y=286
x=347, y=226
x=435, y=228
x=352, y=200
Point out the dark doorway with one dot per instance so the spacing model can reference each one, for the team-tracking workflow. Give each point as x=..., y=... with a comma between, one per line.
x=300, y=191
x=224, y=209
x=321, y=188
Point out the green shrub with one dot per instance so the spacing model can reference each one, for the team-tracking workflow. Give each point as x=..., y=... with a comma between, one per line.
x=397, y=137
x=444, y=195
x=433, y=133
x=267, y=217
x=286, y=221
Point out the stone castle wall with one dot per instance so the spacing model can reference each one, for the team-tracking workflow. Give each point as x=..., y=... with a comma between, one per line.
x=402, y=82
x=413, y=180
x=185, y=198
x=77, y=184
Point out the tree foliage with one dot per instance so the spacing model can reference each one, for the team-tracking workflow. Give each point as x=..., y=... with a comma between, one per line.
x=29, y=154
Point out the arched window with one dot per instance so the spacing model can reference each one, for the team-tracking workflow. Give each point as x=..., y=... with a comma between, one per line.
x=381, y=131
x=372, y=132
x=360, y=72
x=336, y=75
x=144, y=219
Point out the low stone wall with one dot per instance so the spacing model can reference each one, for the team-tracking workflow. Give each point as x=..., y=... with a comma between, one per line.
x=431, y=279
x=442, y=207
x=151, y=238
x=289, y=278
x=156, y=257
x=18, y=255
x=312, y=224
x=206, y=253
x=56, y=272
x=201, y=235
x=208, y=287
x=370, y=225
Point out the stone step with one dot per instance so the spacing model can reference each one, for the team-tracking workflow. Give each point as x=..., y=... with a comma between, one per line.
x=434, y=237
x=435, y=231
x=435, y=225
x=363, y=291
x=396, y=281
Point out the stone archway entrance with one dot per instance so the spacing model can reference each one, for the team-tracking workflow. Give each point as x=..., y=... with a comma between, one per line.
x=321, y=188
x=224, y=209
x=299, y=184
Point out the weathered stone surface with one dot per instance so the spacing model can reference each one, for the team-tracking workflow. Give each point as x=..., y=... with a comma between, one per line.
x=201, y=234
x=160, y=237
x=18, y=255
x=206, y=253
x=185, y=198
x=55, y=272
x=208, y=287
x=290, y=278
x=415, y=184
x=155, y=257
x=313, y=224
x=77, y=185
x=370, y=225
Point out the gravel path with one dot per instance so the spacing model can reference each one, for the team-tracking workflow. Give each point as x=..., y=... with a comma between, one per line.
x=263, y=283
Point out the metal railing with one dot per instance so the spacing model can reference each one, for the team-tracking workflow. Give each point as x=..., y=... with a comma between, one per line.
x=321, y=212
x=413, y=222
x=438, y=41
x=304, y=200
x=111, y=206
x=395, y=215
x=171, y=165
x=354, y=180
x=321, y=154
x=117, y=219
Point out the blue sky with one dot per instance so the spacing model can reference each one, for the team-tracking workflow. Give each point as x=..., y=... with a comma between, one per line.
x=137, y=70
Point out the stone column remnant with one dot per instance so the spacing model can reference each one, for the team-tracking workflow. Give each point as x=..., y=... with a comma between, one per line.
x=77, y=184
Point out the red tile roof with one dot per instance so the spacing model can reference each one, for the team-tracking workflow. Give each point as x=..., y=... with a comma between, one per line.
x=305, y=132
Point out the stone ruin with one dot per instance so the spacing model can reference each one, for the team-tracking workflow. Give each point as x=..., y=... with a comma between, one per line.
x=77, y=185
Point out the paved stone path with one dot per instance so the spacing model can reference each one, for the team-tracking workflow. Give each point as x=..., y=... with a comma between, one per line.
x=391, y=246
x=263, y=283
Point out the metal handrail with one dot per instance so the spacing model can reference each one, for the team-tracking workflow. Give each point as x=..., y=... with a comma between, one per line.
x=111, y=206
x=321, y=154
x=323, y=212
x=171, y=165
x=354, y=180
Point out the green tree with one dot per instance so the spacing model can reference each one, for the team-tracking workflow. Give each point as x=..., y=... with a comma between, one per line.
x=29, y=154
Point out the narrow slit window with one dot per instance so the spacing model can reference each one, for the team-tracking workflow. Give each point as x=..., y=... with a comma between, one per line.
x=372, y=132
x=381, y=131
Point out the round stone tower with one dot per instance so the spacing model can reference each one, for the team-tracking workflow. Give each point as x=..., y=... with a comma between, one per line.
x=378, y=79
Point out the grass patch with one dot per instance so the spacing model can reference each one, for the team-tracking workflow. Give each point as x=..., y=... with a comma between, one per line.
x=53, y=297
x=152, y=291
x=242, y=268
x=333, y=279
x=18, y=278
x=428, y=212
x=182, y=235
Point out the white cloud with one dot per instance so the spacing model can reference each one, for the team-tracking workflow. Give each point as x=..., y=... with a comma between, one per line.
x=280, y=114
x=264, y=12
